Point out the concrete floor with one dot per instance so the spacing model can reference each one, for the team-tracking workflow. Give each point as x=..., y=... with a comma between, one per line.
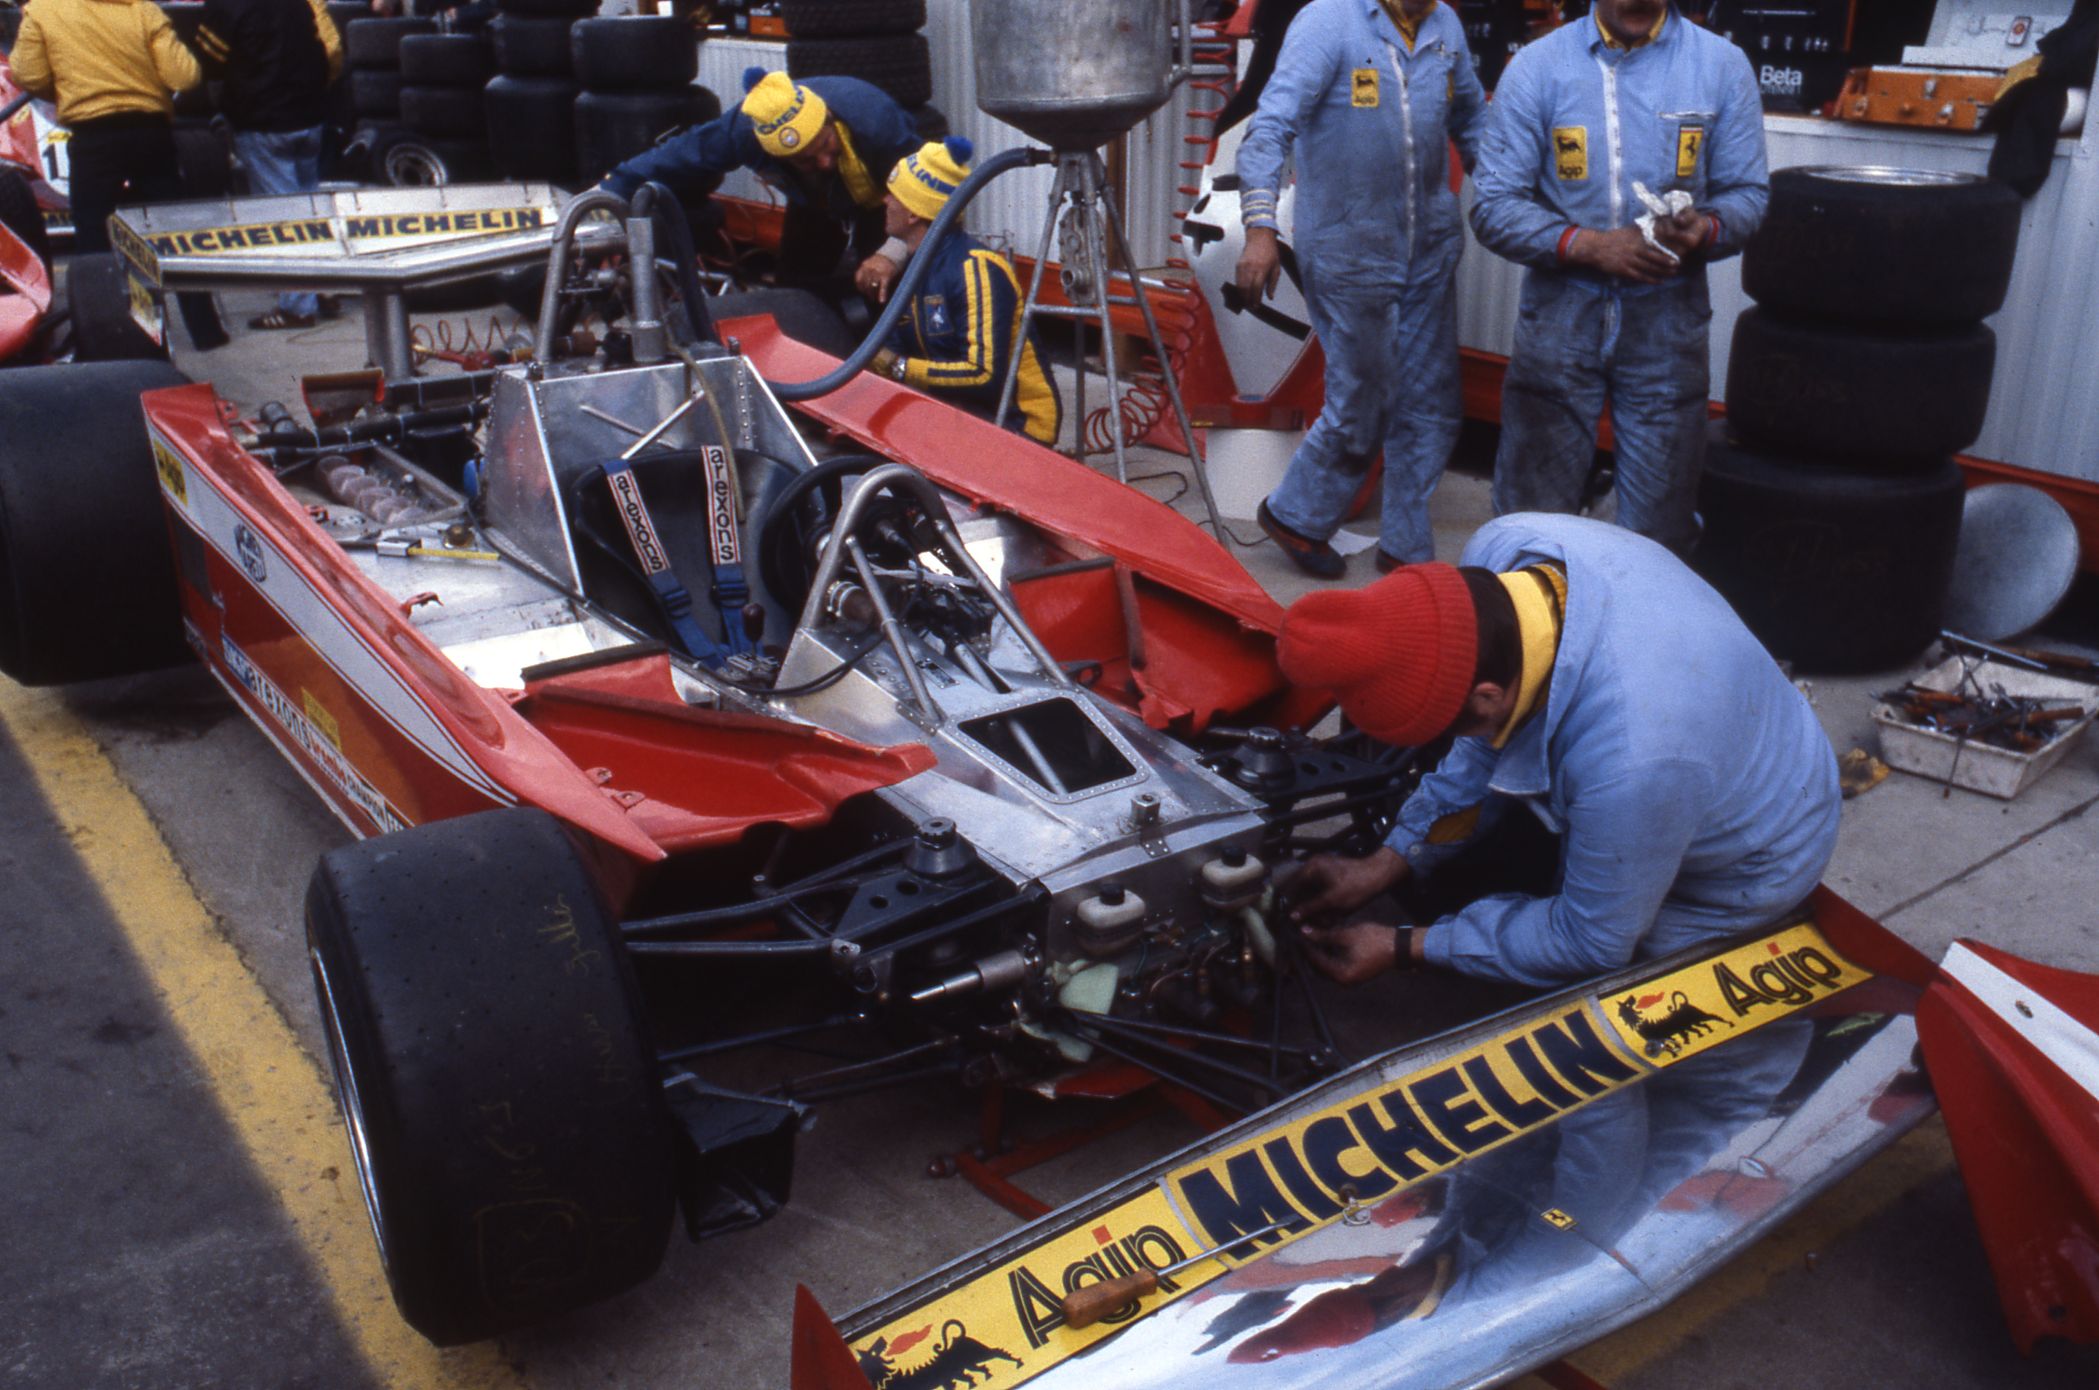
x=1879, y=1283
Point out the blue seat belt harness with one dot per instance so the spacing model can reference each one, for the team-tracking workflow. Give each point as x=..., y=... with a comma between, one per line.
x=672, y=597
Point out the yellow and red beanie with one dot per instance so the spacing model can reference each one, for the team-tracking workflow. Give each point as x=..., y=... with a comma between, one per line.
x=785, y=114
x=1398, y=654
x=925, y=180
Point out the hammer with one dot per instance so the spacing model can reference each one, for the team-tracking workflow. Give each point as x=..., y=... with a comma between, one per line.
x=1087, y=1305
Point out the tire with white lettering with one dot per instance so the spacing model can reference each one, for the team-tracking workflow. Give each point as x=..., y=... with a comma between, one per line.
x=613, y=126
x=87, y=581
x=444, y=111
x=1899, y=247
x=496, y=1078
x=633, y=53
x=1836, y=570
x=537, y=116
x=531, y=45
x=827, y=19
x=98, y=306
x=376, y=92
x=376, y=43
x=900, y=64
x=446, y=60
x=1871, y=398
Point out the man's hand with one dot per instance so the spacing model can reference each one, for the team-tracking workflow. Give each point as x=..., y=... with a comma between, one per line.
x=1328, y=883
x=1260, y=264
x=876, y=277
x=1685, y=232
x=1352, y=954
x=1624, y=253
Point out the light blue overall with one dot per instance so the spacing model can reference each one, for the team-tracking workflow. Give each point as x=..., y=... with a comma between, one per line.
x=1377, y=238
x=1694, y=790
x=1575, y=122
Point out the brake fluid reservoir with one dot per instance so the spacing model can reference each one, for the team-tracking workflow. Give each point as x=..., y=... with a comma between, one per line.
x=1109, y=920
x=1232, y=876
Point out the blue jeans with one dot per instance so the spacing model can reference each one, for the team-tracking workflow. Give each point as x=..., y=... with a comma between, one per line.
x=1578, y=344
x=1391, y=384
x=283, y=161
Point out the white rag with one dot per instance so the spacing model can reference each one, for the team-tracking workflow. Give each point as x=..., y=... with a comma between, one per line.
x=1668, y=205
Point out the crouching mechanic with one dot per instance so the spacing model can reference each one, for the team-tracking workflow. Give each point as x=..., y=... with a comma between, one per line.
x=1591, y=677
x=957, y=335
x=826, y=143
x=1363, y=96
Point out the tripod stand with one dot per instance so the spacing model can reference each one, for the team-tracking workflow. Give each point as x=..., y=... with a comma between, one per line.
x=1083, y=219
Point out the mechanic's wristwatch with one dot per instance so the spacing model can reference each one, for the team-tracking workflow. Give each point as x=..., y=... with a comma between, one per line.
x=900, y=368
x=1403, y=948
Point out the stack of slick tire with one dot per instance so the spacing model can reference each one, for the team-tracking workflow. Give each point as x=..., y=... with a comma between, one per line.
x=876, y=41
x=531, y=102
x=1831, y=501
x=442, y=80
x=372, y=58
x=636, y=73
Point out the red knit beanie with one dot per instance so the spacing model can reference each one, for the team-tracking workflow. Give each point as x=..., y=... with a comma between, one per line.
x=1398, y=654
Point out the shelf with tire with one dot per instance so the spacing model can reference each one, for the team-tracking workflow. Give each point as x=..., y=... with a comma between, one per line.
x=636, y=74
x=1831, y=499
x=876, y=41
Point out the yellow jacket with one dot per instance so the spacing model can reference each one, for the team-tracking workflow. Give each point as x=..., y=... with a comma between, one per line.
x=102, y=57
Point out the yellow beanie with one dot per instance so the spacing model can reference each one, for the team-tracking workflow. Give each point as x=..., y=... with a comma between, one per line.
x=923, y=182
x=785, y=114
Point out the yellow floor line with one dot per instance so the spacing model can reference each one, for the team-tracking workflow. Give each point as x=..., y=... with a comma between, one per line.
x=1922, y=1154
x=270, y=1091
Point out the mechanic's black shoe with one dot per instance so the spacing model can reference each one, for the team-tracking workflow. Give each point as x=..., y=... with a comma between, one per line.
x=1386, y=563
x=1315, y=558
x=328, y=306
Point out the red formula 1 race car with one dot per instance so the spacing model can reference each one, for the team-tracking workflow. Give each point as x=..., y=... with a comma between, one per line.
x=683, y=750
x=25, y=273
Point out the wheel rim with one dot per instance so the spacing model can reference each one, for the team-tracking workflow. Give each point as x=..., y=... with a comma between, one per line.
x=1890, y=176
x=412, y=166
x=351, y=1103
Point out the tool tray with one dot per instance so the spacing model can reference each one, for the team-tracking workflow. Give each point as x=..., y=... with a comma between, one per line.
x=1980, y=767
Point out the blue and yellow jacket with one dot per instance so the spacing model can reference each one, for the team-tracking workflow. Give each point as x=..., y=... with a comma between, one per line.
x=877, y=133
x=956, y=336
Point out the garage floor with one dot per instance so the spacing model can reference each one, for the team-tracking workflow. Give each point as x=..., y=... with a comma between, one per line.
x=179, y=1209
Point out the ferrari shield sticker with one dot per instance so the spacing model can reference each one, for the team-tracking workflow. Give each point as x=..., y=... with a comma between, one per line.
x=1570, y=152
x=1690, y=139
x=1381, y=1134
x=1362, y=87
x=1702, y=1005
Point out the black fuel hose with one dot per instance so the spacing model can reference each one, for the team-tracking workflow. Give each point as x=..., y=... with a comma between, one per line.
x=913, y=274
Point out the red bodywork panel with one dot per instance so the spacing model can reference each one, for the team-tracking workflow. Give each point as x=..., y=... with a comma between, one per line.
x=1204, y=630
x=2001, y=1038
x=392, y=733
x=25, y=295
x=695, y=777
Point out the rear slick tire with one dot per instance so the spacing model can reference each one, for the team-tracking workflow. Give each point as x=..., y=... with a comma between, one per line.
x=505, y=1116
x=87, y=579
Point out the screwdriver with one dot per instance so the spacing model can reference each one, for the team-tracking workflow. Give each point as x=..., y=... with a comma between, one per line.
x=1088, y=1305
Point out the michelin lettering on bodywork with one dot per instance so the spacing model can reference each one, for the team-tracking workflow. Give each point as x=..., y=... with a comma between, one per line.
x=1004, y=1326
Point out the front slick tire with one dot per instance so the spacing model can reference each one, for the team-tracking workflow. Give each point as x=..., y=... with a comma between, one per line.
x=500, y=1091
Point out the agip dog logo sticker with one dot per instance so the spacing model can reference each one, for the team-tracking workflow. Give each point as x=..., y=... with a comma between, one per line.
x=1362, y=87
x=1570, y=153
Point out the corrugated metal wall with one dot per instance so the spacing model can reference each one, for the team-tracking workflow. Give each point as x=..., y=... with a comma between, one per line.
x=2044, y=403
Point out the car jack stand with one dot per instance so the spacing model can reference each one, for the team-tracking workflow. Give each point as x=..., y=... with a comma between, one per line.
x=1086, y=231
x=1133, y=1093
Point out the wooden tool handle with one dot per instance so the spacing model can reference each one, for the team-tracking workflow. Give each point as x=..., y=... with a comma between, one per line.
x=1088, y=1305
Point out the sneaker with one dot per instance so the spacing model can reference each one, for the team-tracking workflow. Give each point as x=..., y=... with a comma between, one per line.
x=330, y=306
x=1315, y=558
x=278, y=318
x=1387, y=563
